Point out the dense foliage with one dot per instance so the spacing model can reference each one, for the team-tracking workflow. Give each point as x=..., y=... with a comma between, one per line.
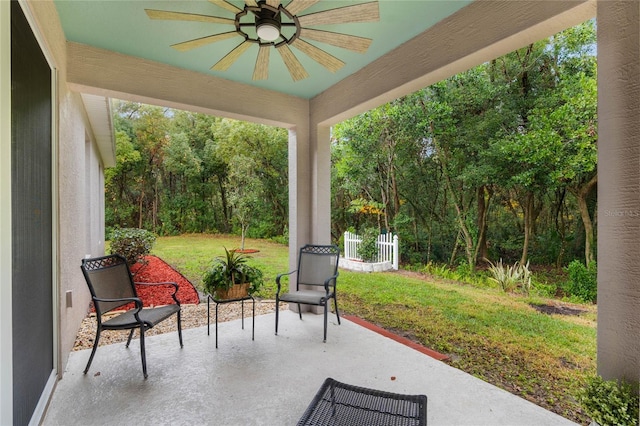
x=610, y=402
x=498, y=162
x=180, y=172
x=583, y=281
x=132, y=243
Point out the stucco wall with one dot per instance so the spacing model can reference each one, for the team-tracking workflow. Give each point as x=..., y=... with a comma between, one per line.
x=74, y=197
x=78, y=233
x=618, y=189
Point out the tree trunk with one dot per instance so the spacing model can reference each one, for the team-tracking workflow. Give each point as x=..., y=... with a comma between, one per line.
x=385, y=204
x=396, y=195
x=561, y=226
x=581, y=194
x=225, y=207
x=454, y=252
x=468, y=241
x=243, y=228
x=484, y=195
x=140, y=210
x=528, y=209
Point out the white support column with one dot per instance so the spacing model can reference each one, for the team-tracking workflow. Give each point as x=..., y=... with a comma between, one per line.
x=619, y=189
x=321, y=189
x=299, y=193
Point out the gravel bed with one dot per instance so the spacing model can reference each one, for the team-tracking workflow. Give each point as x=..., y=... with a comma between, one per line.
x=192, y=316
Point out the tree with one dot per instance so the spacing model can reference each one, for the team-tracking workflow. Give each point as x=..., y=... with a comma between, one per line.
x=245, y=191
x=118, y=181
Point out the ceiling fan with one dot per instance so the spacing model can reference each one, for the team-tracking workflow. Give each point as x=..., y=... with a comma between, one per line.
x=271, y=25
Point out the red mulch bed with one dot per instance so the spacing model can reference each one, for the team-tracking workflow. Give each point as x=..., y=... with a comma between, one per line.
x=157, y=270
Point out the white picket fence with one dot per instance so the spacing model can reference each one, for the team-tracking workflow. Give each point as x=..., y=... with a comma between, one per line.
x=388, y=248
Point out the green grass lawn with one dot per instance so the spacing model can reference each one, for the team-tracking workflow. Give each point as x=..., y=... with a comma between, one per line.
x=495, y=336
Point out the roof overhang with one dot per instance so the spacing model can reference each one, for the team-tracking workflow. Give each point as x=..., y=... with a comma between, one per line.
x=98, y=110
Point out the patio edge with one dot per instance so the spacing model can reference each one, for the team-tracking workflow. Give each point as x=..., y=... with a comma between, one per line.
x=403, y=340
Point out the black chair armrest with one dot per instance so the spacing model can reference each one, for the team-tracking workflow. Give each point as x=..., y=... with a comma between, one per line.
x=175, y=288
x=328, y=280
x=136, y=300
x=279, y=276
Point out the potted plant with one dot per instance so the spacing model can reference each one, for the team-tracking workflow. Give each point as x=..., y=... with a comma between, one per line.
x=231, y=277
x=609, y=402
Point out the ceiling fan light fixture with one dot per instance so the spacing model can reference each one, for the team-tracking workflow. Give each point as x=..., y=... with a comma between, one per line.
x=268, y=23
x=268, y=29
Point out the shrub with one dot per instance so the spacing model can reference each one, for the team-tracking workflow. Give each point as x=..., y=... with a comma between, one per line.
x=464, y=271
x=368, y=249
x=525, y=280
x=438, y=270
x=132, y=243
x=583, y=281
x=507, y=277
x=510, y=277
x=609, y=402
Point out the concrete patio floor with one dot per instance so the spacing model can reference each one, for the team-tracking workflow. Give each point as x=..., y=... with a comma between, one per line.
x=269, y=381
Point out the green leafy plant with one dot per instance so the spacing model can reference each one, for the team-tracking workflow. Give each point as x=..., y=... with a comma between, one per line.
x=368, y=249
x=232, y=269
x=132, y=243
x=583, y=281
x=525, y=279
x=511, y=277
x=438, y=270
x=464, y=271
x=506, y=276
x=609, y=402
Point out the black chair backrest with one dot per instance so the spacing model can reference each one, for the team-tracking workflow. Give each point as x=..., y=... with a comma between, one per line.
x=316, y=263
x=108, y=277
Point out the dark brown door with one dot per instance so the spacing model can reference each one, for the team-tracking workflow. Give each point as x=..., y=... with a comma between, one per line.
x=31, y=214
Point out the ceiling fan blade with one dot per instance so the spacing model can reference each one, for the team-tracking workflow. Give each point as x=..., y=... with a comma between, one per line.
x=294, y=66
x=224, y=63
x=261, y=71
x=226, y=5
x=328, y=61
x=192, y=44
x=251, y=3
x=345, y=41
x=363, y=12
x=181, y=16
x=297, y=6
x=273, y=3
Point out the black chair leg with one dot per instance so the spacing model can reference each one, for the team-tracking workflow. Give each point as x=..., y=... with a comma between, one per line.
x=299, y=311
x=335, y=306
x=326, y=312
x=129, y=339
x=277, y=312
x=93, y=351
x=180, y=329
x=142, y=353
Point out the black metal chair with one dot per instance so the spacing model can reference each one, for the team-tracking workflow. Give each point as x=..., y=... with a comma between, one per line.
x=339, y=403
x=317, y=267
x=111, y=285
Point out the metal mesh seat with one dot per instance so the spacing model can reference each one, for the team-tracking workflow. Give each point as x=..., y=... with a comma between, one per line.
x=342, y=404
x=315, y=281
x=112, y=287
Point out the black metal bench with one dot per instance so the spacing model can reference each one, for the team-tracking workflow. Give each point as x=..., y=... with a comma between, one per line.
x=342, y=404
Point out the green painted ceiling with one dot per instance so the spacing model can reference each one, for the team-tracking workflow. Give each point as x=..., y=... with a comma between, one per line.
x=124, y=27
